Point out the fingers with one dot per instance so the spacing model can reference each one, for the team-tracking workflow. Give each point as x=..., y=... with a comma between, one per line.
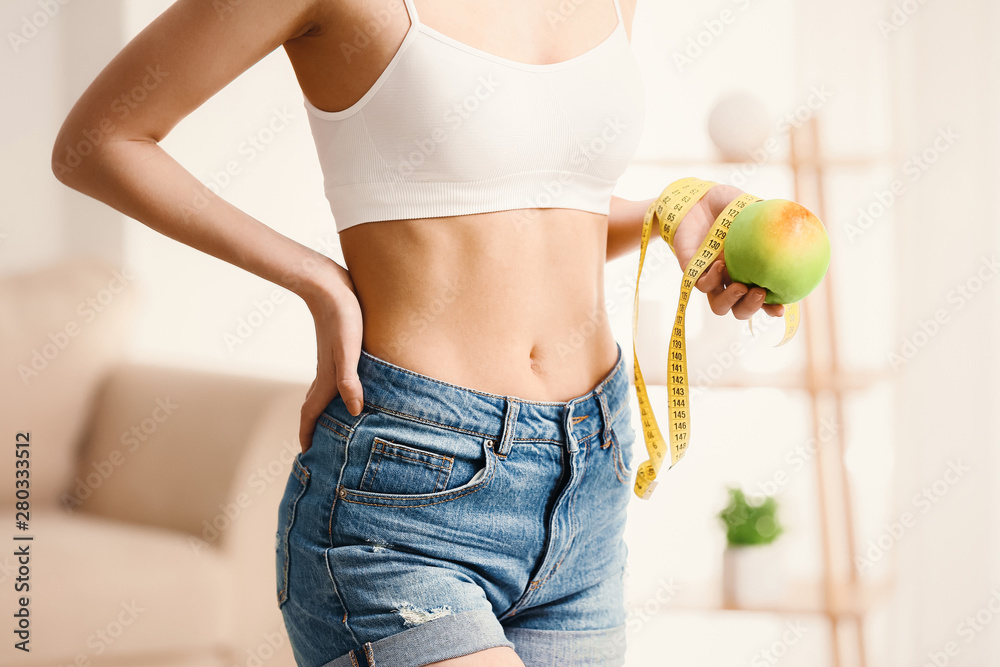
x=738, y=298
x=774, y=309
x=311, y=409
x=722, y=299
x=348, y=382
x=714, y=278
x=750, y=303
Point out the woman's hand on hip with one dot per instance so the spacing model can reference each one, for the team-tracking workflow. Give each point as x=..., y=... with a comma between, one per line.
x=337, y=314
x=723, y=294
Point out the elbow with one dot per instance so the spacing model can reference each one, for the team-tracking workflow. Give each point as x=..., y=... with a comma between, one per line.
x=74, y=151
x=65, y=159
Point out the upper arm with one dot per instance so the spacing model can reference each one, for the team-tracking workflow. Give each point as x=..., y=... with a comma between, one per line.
x=628, y=14
x=186, y=55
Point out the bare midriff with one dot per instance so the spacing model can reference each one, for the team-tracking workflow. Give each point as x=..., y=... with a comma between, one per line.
x=509, y=303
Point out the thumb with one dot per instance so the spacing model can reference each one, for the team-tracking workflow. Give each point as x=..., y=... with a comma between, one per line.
x=348, y=382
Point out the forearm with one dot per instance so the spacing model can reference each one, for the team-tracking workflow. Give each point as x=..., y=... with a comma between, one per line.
x=625, y=226
x=139, y=179
x=626, y=218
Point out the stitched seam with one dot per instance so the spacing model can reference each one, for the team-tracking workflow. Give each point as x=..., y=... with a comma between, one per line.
x=366, y=480
x=474, y=489
x=572, y=506
x=383, y=447
x=336, y=591
x=404, y=415
x=331, y=425
x=530, y=594
x=329, y=527
x=621, y=407
x=618, y=460
x=354, y=660
x=300, y=472
x=288, y=528
x=369, y=655
x=340, y=479
x=404, y=454
x=549, y=440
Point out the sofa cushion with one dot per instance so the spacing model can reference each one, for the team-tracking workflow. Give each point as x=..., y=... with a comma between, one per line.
x=61, y=328
x=165, y=444
x=102, y=588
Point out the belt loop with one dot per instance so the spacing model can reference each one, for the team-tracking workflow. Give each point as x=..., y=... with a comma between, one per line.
x=605, y=418
x=509, y=420
x=572, y=443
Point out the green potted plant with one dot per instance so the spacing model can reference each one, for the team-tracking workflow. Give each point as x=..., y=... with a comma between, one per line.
x=753, y=571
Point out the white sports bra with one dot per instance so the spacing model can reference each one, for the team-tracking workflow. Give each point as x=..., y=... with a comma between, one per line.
x=448, y=129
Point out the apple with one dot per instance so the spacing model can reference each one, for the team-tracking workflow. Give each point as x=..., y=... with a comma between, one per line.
x=778, y=245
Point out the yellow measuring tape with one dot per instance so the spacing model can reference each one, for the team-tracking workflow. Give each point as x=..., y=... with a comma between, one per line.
x=666, y=213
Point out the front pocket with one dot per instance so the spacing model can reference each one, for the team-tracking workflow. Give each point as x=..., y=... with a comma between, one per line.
x=395, y=468
x=296, y=486
x=396, y=494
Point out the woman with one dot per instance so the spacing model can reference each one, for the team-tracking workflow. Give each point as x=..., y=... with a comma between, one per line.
x=466, y=453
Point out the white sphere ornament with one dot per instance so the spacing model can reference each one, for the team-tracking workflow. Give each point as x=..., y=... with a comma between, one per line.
x=738, y=124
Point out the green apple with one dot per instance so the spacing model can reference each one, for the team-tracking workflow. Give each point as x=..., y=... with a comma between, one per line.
x=778, y=245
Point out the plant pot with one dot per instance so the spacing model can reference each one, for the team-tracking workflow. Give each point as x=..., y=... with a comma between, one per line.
x=754, y=576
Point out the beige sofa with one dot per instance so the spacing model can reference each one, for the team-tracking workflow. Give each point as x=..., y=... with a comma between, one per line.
x=154, y=490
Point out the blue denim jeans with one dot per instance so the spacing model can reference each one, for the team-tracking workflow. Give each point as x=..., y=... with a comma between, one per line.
x=443, y=521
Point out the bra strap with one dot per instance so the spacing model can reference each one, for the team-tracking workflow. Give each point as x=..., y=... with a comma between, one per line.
x=412, y=11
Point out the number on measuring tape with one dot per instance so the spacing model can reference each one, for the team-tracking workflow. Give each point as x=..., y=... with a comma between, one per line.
x=665, y=215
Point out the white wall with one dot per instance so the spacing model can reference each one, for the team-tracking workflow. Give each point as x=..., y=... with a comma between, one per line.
x=44, y=70
x=947, y=66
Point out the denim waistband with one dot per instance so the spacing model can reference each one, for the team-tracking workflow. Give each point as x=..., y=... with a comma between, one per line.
x=505, y=419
